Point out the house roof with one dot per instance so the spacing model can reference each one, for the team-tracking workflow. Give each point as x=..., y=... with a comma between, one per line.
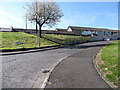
x=58, y=29
x=5, y=29
x=57, y=32
x=91, y=29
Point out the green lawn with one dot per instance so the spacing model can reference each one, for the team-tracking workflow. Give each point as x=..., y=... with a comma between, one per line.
x=61, y=36
x=67, y=39
x=9, y=39
x=110, y=63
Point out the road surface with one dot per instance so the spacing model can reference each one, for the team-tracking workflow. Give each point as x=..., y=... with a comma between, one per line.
x=78, y=71
x=24, y=70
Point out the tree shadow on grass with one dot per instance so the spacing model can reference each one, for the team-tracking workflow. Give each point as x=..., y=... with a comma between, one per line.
x=80, y=46
x=85, y=46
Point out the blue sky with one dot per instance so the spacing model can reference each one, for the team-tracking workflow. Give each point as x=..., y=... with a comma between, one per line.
x=84, y=14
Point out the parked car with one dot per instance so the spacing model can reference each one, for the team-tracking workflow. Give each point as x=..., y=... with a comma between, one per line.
x=106, y=39
x=118, y=38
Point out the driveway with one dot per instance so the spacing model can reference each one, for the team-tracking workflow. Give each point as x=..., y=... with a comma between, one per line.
x=25, y=70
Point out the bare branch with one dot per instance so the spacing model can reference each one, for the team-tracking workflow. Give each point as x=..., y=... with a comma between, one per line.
x=44, y=13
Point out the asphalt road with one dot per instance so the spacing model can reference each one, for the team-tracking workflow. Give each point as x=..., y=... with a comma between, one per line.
x=78, y=70
x=24, y=70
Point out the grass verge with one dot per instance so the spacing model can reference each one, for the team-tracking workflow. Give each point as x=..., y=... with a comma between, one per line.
x=108, y=63
x=16, y=40
x=11, y=40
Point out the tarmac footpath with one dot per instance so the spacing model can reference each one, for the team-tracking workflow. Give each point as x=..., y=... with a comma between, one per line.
x=78, y=71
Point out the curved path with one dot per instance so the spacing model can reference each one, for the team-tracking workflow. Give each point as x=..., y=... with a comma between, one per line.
x=77, y=70
x=25, y=70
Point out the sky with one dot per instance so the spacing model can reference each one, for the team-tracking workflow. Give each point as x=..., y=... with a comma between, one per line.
x=83, y=14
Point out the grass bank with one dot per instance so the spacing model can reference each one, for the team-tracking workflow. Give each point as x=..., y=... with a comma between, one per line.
x=67, y=39
x=14, y=40
x=109, y=63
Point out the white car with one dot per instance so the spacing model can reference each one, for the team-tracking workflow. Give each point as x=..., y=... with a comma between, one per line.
x=106, y=39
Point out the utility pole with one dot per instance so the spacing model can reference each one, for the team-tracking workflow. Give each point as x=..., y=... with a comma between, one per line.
x=39, y=38
x=36, y=25
x=26, y=22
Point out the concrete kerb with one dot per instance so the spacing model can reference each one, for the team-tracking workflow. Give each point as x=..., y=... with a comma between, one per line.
x=55, y=65
x=48, y=74
x=98, y=71
x=29, y=51
x=26, y=49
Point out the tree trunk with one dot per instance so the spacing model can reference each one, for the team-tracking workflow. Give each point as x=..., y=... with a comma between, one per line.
x=40, y=27
x=36, y=27
x=39, y=36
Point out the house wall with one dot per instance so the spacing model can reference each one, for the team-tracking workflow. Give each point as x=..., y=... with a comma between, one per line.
x=108, y=33
x=105, y=33
x=99, y=38
x=77, y=32
x=100, y=33
x=5, y=29
x=69, y=29
x=115, y=33
x=96, y=38
x=113, y=37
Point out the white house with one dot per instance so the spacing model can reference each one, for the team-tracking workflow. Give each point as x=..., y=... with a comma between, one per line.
x=96, y=33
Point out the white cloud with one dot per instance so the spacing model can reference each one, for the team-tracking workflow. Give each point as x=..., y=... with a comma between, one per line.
x=10, y=16
x=4, y=25
x=8, y=19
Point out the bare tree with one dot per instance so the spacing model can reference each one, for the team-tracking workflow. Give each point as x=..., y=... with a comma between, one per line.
x=44, y=14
